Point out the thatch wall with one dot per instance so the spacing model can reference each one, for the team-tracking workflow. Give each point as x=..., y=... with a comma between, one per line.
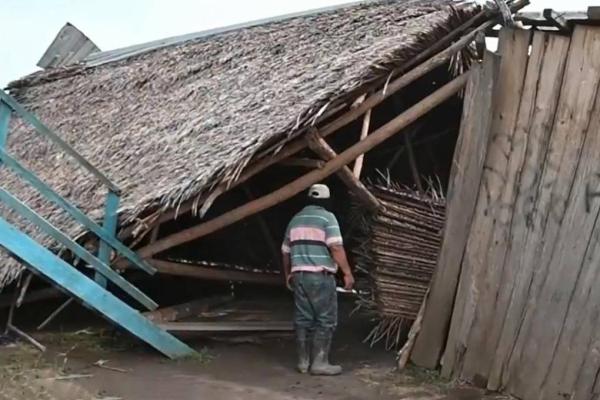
x=169, y=124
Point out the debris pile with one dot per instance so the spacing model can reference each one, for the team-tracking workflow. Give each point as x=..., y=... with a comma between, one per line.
x=399, y=250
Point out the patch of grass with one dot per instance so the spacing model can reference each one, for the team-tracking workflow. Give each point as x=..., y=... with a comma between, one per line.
x=417, y=376
x=95, y=340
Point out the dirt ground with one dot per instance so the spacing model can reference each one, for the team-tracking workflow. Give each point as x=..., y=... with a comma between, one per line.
x=96, y=363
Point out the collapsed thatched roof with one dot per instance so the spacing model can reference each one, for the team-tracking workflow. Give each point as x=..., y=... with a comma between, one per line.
x=168, y=124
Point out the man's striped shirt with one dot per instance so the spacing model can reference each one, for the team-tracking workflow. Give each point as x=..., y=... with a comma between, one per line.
x=308, y=237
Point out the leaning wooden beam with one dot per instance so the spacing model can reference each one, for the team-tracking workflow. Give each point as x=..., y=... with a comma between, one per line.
x=228, y=326
x=54, y=314
x=323, y=150
x=189, y=309
x=28, y=338
x=302, y=183
x=294, y=146
x=214, y=274
x=302, y=162
x=358, y=164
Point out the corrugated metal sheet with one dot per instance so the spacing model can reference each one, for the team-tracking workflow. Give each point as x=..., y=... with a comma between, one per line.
x=69, y=47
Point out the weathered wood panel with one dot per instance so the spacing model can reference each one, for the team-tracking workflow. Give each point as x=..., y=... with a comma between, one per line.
x=537, y=132
x=494, y=207
x=466, y=173
x=526, y=315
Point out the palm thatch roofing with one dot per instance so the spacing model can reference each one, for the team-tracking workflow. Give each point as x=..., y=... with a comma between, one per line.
x=169, y=124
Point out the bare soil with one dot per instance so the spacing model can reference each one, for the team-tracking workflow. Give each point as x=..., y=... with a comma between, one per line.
x=235, y=367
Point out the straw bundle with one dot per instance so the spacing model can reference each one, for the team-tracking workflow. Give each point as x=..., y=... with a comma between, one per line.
x=399, y=251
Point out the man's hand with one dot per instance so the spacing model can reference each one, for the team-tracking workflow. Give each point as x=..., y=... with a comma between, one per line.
x=288, y=281
x=348, y=281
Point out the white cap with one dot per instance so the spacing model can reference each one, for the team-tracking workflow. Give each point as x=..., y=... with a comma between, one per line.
x=319, y=191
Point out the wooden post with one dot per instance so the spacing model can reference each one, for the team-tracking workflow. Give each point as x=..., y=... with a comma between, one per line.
x=302, y=162
x=358, y=164
x=320, y=146
x=302, y=183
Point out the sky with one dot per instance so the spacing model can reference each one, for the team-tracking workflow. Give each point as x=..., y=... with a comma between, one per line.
x=29, y=26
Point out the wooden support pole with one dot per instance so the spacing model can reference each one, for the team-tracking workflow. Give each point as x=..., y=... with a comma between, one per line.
x=302, y=162
x=23, y=291
x=189, y=309
x=54, y=314
x=358, y=164
x=267, y=158
x=215, y=274
x=302, y=183
x=505, y=12
x=320, y=146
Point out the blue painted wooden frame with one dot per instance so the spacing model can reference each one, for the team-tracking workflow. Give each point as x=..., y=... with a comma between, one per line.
x=96, y=297
x=44, y=130
x=4, y=123
x=100, y=266
x=111, y=221
x=77, y=214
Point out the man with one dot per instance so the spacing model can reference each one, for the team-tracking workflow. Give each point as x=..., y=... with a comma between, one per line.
x=312, y=251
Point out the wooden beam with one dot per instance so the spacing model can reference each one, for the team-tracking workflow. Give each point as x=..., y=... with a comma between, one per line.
x=185, y=310
x=505, y=12
x=302, y=162
x=54, y=314
x=268, y=158
x=557, y=20
x=302, y=183
x=214, y=274
x=358, y=164
x=320, y=146
x=593, y=13
x=228, y=326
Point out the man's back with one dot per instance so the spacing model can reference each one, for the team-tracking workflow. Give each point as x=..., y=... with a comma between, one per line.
x=309, y=235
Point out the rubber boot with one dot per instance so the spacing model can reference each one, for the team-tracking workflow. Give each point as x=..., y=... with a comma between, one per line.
x=320, y=364
x=302, y=350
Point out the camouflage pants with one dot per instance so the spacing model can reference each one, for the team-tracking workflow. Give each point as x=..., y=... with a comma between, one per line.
x=315, y=300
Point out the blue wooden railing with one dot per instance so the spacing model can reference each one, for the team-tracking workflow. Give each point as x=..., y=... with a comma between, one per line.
x=91, y=292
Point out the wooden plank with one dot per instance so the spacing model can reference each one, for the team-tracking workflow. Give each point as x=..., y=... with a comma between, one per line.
x=43, y=130
x=111, y=221
x=228, y=326
x=323, y=150
x=568, y=289
x=214, y=274
x=467, y=167
x=513, y=48
x=78, y=250
x=529, y=359
x=304, y=182
x=185, y=310
x=492, y=302
x=593, y=13
x=62, y=274
x=77, y=214
x=557, y=20
x=515, y=292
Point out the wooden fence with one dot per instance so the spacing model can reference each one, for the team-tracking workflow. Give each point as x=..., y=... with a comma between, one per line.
x=519, y=271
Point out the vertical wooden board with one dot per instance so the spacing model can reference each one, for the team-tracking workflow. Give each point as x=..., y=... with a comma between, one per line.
x=530, y=357
x=514, y=288
x=499, y=276
x=466, y=173
x=514, y=48
x=573, y=280
x=568, y=372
